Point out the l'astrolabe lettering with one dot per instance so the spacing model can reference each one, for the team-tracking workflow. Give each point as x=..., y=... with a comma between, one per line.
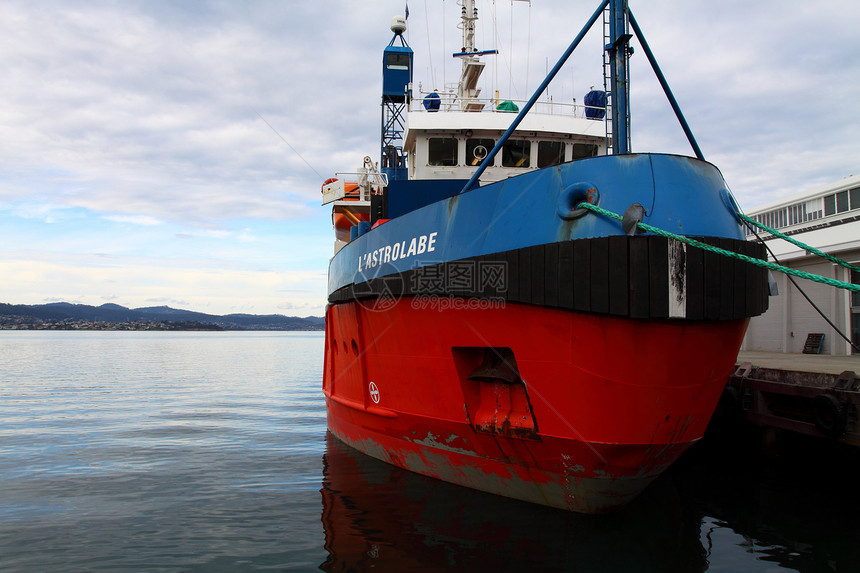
x=390, y=253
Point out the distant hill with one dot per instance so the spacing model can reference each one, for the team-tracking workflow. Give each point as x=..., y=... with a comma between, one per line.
x=59, y=311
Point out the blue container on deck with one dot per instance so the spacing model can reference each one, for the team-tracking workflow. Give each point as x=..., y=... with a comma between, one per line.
x=432, y=102
x=595, y=104
x=363, y=227
x=353, y=232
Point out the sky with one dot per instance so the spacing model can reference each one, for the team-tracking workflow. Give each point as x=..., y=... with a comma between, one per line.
x=171, y=153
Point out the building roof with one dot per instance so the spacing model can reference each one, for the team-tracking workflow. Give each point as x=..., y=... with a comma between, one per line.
x=846, y=183
x=826, y=217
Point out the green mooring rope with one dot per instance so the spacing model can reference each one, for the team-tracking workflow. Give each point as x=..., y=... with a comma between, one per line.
x=724, y=252
x=803, y=246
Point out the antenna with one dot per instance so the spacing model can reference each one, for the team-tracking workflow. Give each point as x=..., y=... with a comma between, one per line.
x=398, y=25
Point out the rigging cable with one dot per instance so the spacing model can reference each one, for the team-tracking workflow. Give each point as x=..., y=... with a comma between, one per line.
x=429, y=47
x=758, y=262
x=512, y=88
x=802, y=292
x=444, y=49
x=511, y=41
x=529, y=47
x=495, y=47
x=496, y=36
x=509, y=64
x=288, y=144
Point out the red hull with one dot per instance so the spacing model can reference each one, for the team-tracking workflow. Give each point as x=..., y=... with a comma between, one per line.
x=605, y=404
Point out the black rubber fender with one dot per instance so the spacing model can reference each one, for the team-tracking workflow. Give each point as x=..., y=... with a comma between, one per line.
x=829, y=414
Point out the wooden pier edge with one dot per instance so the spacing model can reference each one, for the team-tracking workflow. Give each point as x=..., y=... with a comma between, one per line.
x=819, y=404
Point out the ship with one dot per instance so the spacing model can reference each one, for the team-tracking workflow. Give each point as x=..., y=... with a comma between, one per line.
x=489, y=325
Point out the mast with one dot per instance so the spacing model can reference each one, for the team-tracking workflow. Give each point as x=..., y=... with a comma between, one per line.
x=472, y=66
x=396, y=86
x=619, y=53
x=469, y=15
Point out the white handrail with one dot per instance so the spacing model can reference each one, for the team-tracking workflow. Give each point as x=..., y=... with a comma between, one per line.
x=449, y=102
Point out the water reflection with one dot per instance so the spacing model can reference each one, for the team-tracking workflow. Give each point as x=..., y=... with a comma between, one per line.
x=791, y=504
x=378, y=516
x=723, y=507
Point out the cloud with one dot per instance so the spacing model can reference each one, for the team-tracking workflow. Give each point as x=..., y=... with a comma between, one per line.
x=151, y=109
x=127, y=128
x=148, y=110
x=144, y=220
x=770, y=96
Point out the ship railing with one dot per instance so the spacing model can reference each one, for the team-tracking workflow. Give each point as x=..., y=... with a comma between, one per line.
x=446, y=102
x=369, y=181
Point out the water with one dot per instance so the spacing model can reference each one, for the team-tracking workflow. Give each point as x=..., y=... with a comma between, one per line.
x=153, y=451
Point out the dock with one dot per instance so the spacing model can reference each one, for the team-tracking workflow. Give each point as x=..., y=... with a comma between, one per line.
x=812, y=394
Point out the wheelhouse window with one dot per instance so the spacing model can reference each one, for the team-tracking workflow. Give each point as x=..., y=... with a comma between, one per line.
x=442, y=151
x=516, y=153
x=477, y=150
x=397, y=61
x=550, y=153
x=583, y=150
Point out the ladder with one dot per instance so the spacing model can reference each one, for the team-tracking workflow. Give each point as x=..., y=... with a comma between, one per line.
x=607, y=79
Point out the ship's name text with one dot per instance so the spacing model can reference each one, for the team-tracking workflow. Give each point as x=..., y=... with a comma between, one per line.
x=390, y=253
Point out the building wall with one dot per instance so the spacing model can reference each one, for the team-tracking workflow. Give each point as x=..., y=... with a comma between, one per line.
x=804, y=319
x=828, y=219
x=790, y=317
x=767, y=332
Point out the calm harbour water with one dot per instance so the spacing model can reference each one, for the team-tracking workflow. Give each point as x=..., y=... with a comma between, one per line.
x=152, y=451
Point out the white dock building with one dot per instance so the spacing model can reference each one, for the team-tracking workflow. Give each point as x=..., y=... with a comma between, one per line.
x=826, y=218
